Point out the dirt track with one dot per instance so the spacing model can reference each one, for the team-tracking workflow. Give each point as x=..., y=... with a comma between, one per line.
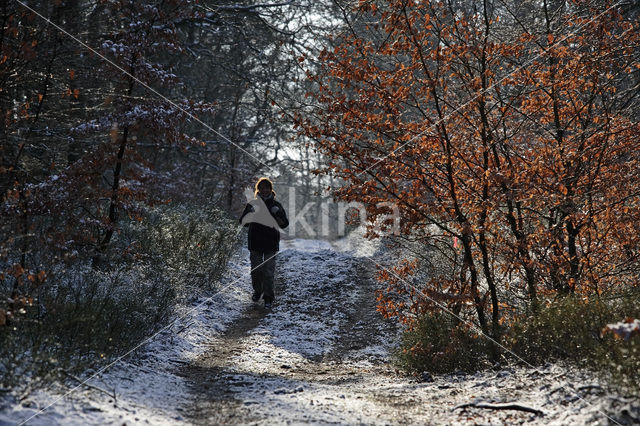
x=216, y=380
x=322, y=356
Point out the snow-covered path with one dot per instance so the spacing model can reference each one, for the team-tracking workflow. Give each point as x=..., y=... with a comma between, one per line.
x=321, y=356
x=297, y=362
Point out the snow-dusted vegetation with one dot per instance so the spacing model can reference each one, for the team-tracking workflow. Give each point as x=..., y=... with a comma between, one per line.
x=227, y=361
x=461, y=186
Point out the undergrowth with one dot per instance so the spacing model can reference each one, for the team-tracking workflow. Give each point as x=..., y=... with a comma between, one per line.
x=439, y=343
x=568, y=329
x=573, y=329
x=83, y=316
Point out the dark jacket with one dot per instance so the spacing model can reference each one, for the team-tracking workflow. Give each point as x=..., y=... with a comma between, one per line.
x=265, y=238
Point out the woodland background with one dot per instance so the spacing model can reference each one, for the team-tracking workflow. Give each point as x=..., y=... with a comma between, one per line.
x=505, y=131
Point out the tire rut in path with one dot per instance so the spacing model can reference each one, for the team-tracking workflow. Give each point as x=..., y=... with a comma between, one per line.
x=209, y=377
x=223, y=393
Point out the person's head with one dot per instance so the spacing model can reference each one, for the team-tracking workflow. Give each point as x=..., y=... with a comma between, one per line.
x=264, y=188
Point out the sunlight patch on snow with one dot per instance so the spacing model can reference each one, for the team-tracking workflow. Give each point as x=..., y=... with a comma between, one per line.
x=301, y=244
x=266, y=358
x=355, y=244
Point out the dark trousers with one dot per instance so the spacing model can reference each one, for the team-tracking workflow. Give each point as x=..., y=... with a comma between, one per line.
x=263, y=267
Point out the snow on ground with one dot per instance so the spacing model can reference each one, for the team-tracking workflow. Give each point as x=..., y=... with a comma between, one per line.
x=145, y=383
x=314, y=359
x=321, y=356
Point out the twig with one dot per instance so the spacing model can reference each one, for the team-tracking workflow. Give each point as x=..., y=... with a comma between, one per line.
x=82, y=382
x=590, y=387
x=500, y=407
x=187, y=325
x=241, y=7
x=559, y=388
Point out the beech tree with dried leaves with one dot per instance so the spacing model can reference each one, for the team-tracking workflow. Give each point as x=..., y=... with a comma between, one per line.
x=507, y=139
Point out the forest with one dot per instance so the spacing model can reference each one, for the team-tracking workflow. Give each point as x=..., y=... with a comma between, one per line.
x=501, y=134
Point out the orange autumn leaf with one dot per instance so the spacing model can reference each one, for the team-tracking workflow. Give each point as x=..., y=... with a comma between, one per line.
x=17, y=270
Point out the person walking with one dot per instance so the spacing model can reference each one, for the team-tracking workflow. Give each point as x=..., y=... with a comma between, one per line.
x=265, y=217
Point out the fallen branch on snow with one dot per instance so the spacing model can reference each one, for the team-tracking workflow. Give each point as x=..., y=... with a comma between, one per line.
x=82, y=382
x=590, y=387
x=499, y=407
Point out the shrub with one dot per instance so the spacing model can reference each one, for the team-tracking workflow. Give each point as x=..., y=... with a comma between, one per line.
x=88, y=317
x=568, y=327
x=83, y=317
x=184, y=245
x=571, y=328
x=438, y=343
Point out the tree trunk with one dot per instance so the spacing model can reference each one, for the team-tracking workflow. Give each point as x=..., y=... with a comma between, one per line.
x=112, y=218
